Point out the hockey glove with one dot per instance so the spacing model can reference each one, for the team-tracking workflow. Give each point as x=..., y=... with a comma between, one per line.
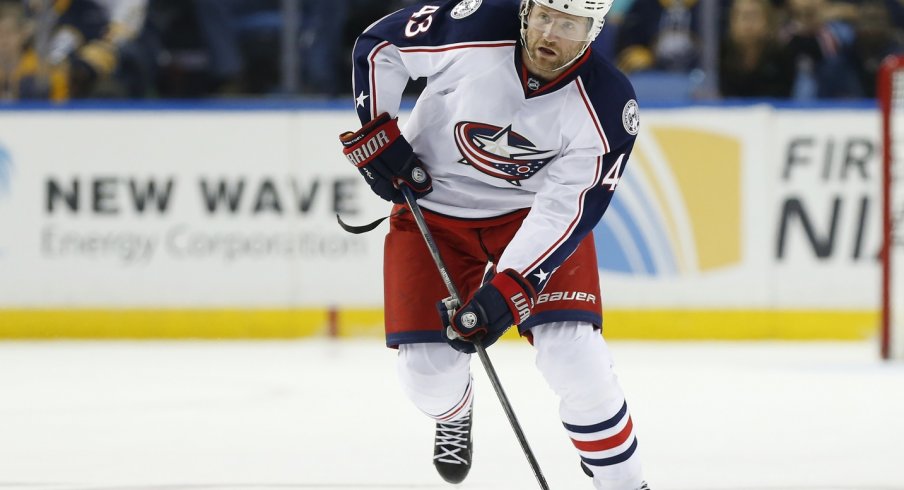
x=385, y=159
x=505, y=300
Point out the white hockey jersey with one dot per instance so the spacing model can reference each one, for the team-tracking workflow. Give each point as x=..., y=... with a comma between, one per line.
x=494, y=139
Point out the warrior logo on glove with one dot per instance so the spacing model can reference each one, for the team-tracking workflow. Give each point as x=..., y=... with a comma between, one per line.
x=371, y=147
x=505, y=299
x=386, y=159
x=522, y=305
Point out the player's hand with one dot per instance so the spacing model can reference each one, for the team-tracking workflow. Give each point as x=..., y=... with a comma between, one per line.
x=505, y=300
x=386, y=159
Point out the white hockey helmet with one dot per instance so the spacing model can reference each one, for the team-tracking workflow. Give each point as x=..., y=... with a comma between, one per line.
x=594, y=9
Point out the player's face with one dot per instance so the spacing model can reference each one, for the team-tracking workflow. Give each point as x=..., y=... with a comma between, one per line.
x=554, y=39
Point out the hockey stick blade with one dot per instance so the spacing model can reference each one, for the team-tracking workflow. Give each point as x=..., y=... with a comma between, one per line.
x=357, y=230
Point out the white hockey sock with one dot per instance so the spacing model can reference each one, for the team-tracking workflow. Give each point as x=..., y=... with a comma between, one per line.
x=576, y=363
x=437, y=379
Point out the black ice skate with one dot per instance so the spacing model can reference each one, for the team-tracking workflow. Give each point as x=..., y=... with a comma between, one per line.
x=643, y=486
x=453, y=448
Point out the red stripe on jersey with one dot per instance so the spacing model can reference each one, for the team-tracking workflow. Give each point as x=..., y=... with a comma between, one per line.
x=574, y=222
x=373, y=78
x=599, y=165
x=607, y=443
x=373, y=55
x=437, y=49
x=596, y=121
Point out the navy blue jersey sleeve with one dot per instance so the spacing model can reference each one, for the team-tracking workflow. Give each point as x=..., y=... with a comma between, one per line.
x=380, y=67
x=615, y=104
x=614, y=111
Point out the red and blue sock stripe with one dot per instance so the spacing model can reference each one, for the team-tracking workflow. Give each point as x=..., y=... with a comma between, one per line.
x=606, y=443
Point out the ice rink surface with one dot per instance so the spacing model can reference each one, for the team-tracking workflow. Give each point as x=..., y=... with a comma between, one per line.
x=330, y=415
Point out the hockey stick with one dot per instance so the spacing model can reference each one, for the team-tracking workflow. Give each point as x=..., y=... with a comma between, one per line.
x=481, y=350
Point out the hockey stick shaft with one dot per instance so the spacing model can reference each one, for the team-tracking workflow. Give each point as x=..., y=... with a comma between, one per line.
x=481, y=350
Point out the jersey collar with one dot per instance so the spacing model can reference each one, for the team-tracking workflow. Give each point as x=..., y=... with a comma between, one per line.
x=533, y=87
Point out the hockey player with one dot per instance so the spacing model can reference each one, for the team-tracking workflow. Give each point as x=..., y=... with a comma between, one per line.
x=514, y=149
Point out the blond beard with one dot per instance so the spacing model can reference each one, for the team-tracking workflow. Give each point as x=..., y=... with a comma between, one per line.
x=550, y=68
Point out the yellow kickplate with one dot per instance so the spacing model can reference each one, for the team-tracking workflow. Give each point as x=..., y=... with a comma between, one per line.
x=368, y=323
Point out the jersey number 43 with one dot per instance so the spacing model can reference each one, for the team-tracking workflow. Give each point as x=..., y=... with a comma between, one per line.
x=420, y=21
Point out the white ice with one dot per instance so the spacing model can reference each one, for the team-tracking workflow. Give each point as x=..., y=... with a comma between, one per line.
x=321, y=414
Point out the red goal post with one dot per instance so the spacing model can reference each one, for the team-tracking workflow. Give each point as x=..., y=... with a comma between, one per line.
x=890, y=95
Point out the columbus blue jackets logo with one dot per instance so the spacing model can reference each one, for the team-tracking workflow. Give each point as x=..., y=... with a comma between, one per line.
x=500, y=152
x=465, y=8
x=630, y=117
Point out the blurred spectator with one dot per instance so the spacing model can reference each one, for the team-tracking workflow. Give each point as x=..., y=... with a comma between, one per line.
x=617, y=13
x=73, y=46
x=895, y=9
x=218, y=24
x=660, y=35
x=53, y=65
x=321, y=45
x=59, y=49
x=819, y=36
x=235, y=46
x=875, y=39
x=13, y=34
x=194, y=46
x=176, y=48
x=752, y=62
x=99, y=60
x=607, y=42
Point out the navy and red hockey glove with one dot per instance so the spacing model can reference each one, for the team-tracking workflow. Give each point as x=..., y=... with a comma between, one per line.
x=386, y=159
x=505, y=300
